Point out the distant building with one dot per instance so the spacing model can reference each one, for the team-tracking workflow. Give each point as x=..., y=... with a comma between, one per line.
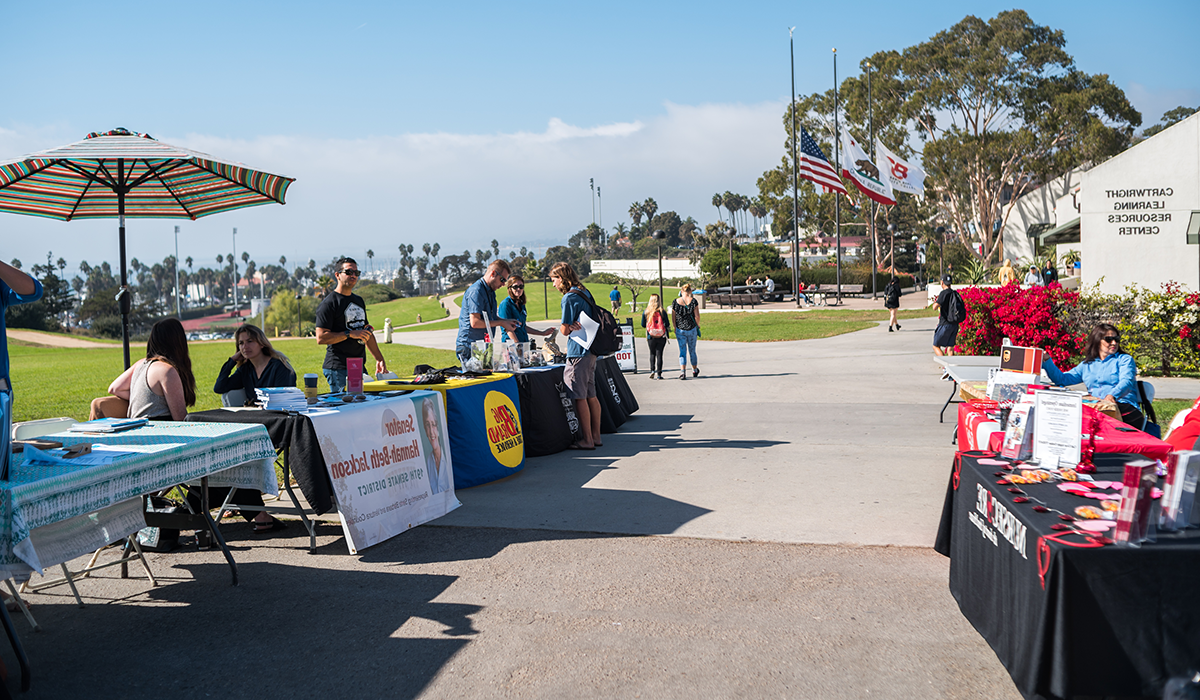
x=647, y=270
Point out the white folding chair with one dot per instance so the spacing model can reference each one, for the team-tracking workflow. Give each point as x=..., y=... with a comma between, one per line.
x=37, y=428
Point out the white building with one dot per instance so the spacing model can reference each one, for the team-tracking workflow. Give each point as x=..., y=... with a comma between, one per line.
x=647, y=270
x=1140, y=213
x=1135, y=218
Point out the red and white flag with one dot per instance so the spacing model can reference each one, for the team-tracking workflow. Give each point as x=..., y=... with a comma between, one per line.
x=905, y=176
x=857, y=166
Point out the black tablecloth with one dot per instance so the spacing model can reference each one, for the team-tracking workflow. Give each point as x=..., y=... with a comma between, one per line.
x=295, y=433
x=616, y=398
x=547, y=414
x=1066, y=620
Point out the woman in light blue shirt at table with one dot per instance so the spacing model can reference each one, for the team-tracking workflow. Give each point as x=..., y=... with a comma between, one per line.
x=513, y=309
x=1107, y=372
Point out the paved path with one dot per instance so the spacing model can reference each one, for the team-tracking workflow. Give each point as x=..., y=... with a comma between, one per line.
x=52, y=340
x=762, y=531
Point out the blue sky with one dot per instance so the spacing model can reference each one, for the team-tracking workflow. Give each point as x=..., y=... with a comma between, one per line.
x=414, y=122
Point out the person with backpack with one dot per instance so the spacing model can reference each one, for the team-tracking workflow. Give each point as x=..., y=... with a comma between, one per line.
x=891, y=302
x=658, y=330
x=951, y=312
x=579, y=376
x=614, y=298
x=685, y=316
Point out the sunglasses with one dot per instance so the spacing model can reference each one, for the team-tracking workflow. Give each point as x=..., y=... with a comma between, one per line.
x=517, y=286
x=352, y=273
x=1111, y=339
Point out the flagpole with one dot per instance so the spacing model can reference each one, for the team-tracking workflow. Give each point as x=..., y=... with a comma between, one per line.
x=837, y=158
x=874, y=238
x=795, y=182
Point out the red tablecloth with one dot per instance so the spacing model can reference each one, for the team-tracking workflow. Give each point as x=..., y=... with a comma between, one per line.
x=1112, y=437
x=972, y=414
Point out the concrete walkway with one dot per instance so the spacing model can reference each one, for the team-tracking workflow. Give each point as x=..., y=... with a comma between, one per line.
x=762, y=531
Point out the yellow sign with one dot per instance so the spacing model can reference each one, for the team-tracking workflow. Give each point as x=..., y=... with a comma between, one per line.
x=504, y=429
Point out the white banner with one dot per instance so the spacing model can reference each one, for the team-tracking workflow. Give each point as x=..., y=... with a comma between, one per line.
x=389, y=461
x=903, y=175
x=627, y=356
x=857, y=166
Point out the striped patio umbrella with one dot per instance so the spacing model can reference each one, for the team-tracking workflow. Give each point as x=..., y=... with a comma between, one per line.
x=122, y=173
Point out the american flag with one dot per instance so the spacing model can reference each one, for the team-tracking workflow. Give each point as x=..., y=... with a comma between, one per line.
x=815, y=167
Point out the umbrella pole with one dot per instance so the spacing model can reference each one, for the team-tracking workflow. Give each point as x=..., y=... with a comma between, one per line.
x=123, y=299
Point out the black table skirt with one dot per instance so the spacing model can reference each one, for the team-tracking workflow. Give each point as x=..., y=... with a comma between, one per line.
x=1063, y=619
x=547, y=415
x=295, y=433
x=617, y=402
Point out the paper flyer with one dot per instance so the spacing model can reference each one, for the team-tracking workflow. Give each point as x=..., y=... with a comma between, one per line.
x=1058, y=417
x=587, y=333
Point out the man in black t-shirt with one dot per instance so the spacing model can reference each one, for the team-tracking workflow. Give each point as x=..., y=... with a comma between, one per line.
x=342, y=327
x=946, y=334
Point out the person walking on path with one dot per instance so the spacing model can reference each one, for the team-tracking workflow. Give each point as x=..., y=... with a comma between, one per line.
x=685, y=317
x=614, y=298
x=342, y=327
x=1033, y=278
x=891, y=302
x=658, y=330
x=580, y=373
x=951, y=312
x=479, y=309
x=1007, y=274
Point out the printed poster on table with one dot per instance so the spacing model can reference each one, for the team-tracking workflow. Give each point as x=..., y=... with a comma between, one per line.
x=1058, y=426
x=626, y=356
x=389, y=461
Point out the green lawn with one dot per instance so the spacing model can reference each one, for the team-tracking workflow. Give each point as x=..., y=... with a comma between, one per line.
x=440, y=325
x=1165, y=409
x=50, y=382
x=404, y=311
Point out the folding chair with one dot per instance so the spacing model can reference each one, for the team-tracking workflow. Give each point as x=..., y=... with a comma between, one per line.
x=1146, y=394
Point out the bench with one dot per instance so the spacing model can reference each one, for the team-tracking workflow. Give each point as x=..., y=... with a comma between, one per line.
x=823, y=292
x=739, y=300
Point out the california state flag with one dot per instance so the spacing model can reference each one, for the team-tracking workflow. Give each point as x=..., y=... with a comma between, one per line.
x=857, y=166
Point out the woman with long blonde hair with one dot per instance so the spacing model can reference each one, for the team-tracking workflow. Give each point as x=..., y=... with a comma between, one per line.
x=658, y=330
x=258, y=364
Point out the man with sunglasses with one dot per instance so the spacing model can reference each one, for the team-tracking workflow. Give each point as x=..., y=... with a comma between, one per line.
x=342, y=327
x=478, y=310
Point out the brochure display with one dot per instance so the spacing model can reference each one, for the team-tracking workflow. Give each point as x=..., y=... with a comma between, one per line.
x=1133, y=518
x=1018, y=435
x=1179, y=505
x=1057, y=420
x=1008, y=387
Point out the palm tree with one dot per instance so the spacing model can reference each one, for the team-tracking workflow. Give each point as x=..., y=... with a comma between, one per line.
x=426, y=248
x=370, y=257
x=495, y=248
x=759, y=211
x=635, y=213
x=621, y=230
x=283, y=261
x=189, y=262
x=649, y=208
x=716, y=202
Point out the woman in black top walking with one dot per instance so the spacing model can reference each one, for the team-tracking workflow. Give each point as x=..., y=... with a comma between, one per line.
x=685, y=316
x=891, y=302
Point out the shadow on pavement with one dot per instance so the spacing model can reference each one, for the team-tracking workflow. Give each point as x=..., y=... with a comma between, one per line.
x=287, y=631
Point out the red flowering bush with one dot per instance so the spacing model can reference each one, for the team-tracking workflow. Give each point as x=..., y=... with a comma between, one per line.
x=1030, y=317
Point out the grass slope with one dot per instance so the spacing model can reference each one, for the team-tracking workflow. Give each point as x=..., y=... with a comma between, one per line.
x=50, y=382
x=788, y=325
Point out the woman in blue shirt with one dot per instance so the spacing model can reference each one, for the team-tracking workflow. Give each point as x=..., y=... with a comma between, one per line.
x=1107, y=372
x=513, y=309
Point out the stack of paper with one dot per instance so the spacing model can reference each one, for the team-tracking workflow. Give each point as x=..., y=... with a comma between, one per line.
x=107, y=425
x=282, y=399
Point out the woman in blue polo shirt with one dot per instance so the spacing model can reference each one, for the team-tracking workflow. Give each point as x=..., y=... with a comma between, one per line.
x=513, y=309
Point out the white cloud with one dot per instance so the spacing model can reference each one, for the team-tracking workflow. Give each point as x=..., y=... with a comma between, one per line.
x=461, y=190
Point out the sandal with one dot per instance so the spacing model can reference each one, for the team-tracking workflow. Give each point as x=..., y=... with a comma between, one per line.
x=272, y=526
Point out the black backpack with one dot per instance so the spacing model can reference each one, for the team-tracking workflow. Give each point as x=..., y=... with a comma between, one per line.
x=608, y=335
x=956, y=310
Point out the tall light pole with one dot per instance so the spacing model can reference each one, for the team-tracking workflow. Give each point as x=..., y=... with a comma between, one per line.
x=177, y=274
x=600, y=208
x=837, y=159
x=235, y=272
x=592, y=184
x=795, y=182
x=732, y=234
x=874, y=237
x=659, y=236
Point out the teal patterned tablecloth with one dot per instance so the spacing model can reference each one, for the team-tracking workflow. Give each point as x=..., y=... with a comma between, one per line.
x=171, y=453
